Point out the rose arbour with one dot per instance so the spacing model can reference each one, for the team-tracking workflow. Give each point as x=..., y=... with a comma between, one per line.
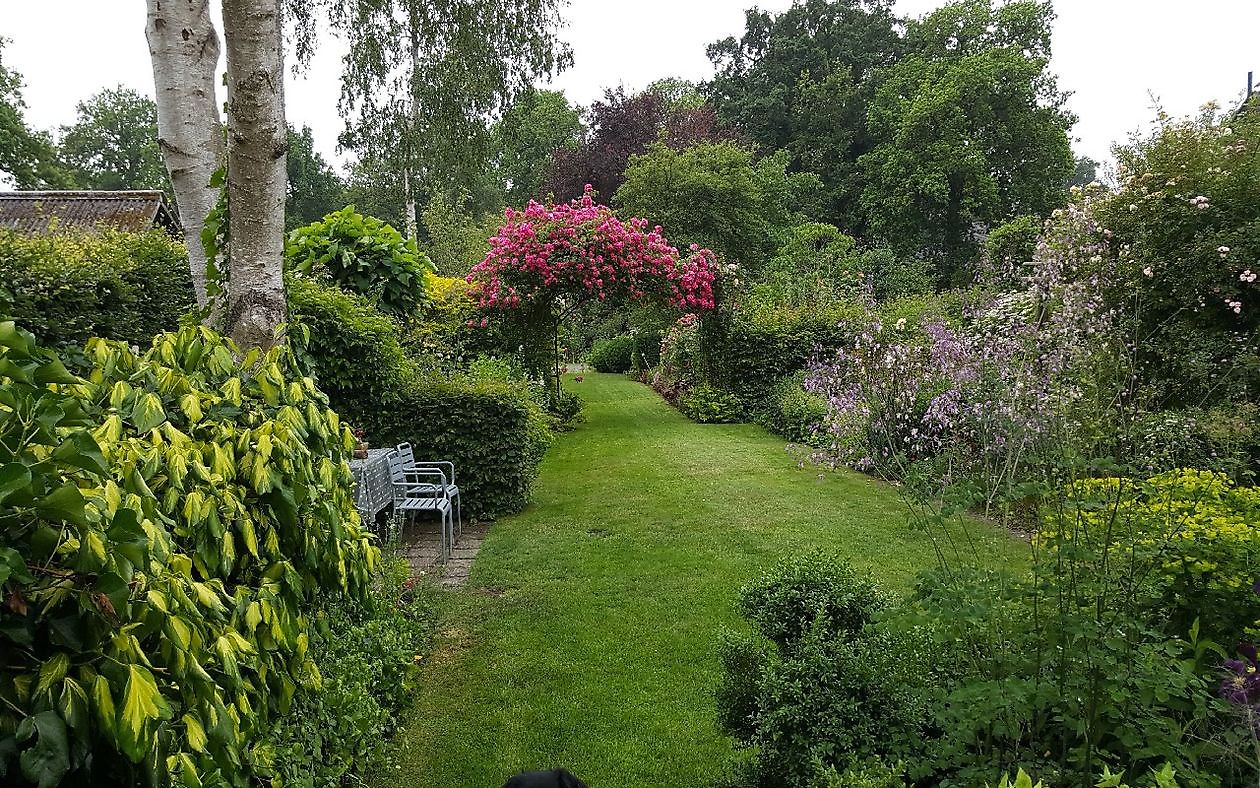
x=582, y=249
x=548, y=259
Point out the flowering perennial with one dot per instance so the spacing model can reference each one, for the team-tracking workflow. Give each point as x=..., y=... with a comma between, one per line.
x=582, y=248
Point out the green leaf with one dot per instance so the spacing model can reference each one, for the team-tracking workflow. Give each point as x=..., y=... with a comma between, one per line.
x=196, y=733
x=13, y=477
x=148, y=413
x=82, y=451
x=142, y=705
x=48, y=761
x=53, y=371
x=64, y=504
x=52, y=671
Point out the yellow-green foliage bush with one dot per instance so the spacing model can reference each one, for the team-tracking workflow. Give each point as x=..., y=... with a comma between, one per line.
x=73, y=285
x=164, y=524
x=1191, y=537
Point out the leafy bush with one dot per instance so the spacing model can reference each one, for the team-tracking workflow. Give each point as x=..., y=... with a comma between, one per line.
x=812, y=592
x=353, y=350
x=708, y=405
x=612, y=355
x=364, y=255
x=73, y=285
x=1181, y=244
x=1223, y=438
x=829, y=693
x=490, y=424
x=795, y=413
x=895, y=277
x=1191, y=535
x=1007, y=249
x=766, y=341
x=163, y=529
x=366, y=652
x=494, y=433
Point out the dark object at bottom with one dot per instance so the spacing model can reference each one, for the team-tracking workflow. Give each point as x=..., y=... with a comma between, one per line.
x=557, y=778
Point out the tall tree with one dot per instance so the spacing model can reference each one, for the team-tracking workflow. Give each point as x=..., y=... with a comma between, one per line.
x=625, y=125
x=257, y=177
x=314, y=189
x=422, y=77
x=537, y=124
x=184, y=49
x=800, y=81
x=27, y=157
x=971, y=130
x=114, y=143
x=183, y=46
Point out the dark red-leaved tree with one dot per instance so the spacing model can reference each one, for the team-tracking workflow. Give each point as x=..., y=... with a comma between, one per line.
x=622, y=126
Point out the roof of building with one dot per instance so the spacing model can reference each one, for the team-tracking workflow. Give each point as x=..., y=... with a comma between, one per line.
x=34, y=212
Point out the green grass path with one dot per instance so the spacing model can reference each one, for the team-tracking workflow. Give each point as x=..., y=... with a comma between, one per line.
x=586, y=636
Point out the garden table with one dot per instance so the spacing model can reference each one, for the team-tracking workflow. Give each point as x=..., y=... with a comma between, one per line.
x=373, y=489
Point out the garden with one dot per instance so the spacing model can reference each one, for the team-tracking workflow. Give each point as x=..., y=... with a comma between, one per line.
x=831, y=423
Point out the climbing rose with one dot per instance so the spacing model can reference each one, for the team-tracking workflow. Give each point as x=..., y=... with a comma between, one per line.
x=581, y=247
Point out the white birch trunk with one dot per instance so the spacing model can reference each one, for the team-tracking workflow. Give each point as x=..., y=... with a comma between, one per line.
x=410, y=196
x=257, y=144
x=184, y=49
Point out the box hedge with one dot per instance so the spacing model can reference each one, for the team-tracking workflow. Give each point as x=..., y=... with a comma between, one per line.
x=492, y=430
x=763, y=344
x=70, y=286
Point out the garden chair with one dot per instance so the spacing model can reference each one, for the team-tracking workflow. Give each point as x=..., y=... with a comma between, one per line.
x=422, y=490
x=452, y=489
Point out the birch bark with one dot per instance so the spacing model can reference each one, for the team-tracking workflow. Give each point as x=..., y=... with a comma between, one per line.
x=257, y=147
x=184, y=50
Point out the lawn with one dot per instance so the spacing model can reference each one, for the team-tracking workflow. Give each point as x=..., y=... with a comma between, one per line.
x=586, y=635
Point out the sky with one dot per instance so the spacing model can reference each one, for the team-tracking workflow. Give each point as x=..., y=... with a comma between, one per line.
x=1115, y=57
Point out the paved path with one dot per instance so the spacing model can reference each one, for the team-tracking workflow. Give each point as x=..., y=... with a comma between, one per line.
x=420, y=543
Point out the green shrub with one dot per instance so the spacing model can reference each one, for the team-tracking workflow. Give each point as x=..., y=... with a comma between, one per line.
x=869, y=773
x=353, y=350
x=795, y=413
x=491, y=424
x=1007, y=250
x=366, y=652
x=708, y=405
x=895, y=277
x=162, y=531
x=1224, y=438
x=811, y=592
x=766, y=341
x=815, y=688
x=612, y=355
x=364, y=255
x=74, y=285
x=495, y=434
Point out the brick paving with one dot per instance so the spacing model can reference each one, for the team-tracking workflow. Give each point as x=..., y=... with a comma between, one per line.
x=421, y=544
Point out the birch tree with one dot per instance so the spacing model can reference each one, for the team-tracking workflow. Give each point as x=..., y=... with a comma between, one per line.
x=184, y=49
x=257, y=174
x=422, y=78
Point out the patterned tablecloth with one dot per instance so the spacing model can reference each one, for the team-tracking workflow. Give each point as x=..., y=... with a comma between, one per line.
x=373, y=491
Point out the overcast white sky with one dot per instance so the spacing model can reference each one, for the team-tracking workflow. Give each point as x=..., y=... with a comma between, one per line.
x=1111, y=54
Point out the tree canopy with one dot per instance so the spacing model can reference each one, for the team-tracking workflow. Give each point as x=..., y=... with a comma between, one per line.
x=28, y=157
x=113, y=143
x=539, y=123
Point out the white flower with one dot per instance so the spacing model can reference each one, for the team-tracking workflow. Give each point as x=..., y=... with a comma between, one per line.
x=1224, y=250
x=1132, y=207
x=1147, y=270
x=901, y=323
x=1236, y=306
x=1247, y=276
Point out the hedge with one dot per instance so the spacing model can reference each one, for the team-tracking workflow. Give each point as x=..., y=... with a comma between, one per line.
x=762, y=345
x=71, y=286
x=489, y=430
x=612, y=355
x=493, y=431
